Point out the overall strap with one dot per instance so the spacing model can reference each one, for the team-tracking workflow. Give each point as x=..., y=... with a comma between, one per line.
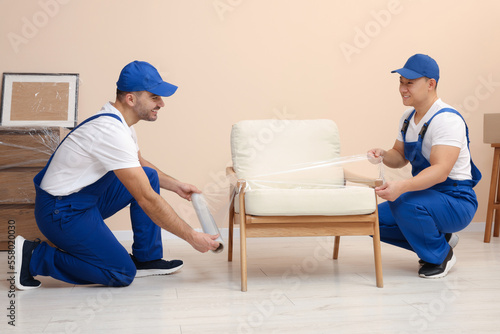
x=406, y=122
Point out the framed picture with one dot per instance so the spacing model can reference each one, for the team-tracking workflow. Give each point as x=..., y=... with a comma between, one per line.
x=39, y=99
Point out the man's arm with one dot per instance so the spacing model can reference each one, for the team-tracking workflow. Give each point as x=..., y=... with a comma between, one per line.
x=442, y=160
x=137, y=183
x=167, y=182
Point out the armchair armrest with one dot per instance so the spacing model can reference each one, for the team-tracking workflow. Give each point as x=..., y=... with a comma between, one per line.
x=240, y=183
x=357, y=178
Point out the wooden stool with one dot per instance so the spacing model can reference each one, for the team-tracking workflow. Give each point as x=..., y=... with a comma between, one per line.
x=494, y=197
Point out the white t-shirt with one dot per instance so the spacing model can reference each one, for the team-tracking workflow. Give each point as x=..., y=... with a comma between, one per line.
x=88, y=153
x=445, y=129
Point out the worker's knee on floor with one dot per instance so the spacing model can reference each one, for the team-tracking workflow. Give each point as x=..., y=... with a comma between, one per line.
x=123, y=276
x=122, y=279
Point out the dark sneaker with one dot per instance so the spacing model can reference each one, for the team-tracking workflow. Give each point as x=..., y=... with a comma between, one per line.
x=156, y=267
x=430, y=270
x=451, y=239
x=24, y=251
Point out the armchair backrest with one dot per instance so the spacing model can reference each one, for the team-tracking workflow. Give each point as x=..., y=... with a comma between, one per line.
x=287, y=153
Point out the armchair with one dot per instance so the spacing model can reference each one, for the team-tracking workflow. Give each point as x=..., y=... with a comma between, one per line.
x=280, y=193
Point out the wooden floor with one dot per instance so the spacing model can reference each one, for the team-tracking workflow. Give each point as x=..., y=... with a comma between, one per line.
x=293, y=287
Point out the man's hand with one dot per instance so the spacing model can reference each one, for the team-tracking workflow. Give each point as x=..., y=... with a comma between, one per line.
x=375, y=155
x=203, y=242
x=390, y=191
x=393, y=158
x=185, y=190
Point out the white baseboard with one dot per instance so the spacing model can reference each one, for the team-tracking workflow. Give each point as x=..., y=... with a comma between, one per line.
x=475, y=227
x=127, y=235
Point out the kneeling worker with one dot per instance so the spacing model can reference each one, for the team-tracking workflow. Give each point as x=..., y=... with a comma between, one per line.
x=96, y=171
x=423, y=213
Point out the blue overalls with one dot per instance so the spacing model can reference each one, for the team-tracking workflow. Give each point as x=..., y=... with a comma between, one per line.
x=87, y=251
x=418, y=220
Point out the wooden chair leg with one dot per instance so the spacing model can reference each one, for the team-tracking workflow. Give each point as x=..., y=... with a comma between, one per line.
x=487, y=228
x=378, y=262
x=243, y=255
x=496, y=227
x=230, y=232
x=243, y=238
x=491, y=199
x=336, y=246
x=378, y=254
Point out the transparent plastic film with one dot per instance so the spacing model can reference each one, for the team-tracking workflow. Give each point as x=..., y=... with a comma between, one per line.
x=24, y=151
x=341, y=185
x=336, y=173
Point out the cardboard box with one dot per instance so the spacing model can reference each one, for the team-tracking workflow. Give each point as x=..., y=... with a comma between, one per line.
x=491, y=134
x=23, y=153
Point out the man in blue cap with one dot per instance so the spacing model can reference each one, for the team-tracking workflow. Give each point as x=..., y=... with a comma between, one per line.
x=96, y=171
x=423, y=213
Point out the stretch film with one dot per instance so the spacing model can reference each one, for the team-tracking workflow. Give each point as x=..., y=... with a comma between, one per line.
x=341, y=172
x=206, y=219
x=24, y=151
x=341, y=161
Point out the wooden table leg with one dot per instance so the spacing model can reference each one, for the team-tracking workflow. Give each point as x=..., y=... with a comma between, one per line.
x=493, y=198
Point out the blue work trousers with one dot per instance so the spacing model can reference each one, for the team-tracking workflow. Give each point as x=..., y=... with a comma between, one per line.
x=87, y=251
x=418, y=220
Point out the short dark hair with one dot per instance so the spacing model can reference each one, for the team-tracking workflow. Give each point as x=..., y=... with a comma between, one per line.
x=120, y=94
x=435, y=87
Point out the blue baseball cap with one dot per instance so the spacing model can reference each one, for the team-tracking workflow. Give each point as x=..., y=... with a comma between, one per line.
x=140, y=75
x=419, y=65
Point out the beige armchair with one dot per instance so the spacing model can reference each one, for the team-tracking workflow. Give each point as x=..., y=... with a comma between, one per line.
x=289, y=185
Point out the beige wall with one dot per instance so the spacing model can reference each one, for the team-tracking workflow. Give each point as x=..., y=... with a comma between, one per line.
x=236, y=59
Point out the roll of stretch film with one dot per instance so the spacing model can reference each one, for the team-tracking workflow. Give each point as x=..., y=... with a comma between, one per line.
x=206, y=219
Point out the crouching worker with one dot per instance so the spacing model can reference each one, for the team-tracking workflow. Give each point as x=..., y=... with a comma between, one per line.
x=423, y=213
x=96, y=171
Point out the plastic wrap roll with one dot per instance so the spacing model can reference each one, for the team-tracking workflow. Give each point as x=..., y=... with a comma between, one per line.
x=206, y=220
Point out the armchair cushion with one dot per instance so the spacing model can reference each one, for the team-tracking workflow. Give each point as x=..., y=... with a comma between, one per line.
x=309, y=202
